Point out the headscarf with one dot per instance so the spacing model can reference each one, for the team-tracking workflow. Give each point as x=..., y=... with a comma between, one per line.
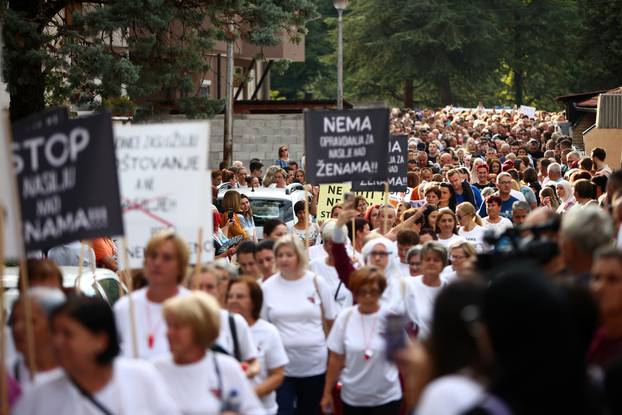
x=392, y=270
x=568, y=188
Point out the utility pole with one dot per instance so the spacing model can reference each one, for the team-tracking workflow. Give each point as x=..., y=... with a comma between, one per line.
x=227, y=154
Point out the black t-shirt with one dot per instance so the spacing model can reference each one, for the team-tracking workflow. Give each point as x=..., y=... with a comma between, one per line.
x=485, y=185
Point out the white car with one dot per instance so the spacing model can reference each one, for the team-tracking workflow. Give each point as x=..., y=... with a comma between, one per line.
x=101, y=282
x=270, y=203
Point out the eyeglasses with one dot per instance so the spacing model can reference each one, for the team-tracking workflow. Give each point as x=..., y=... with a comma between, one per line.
x=364, y=292
x=380, y=254
x=505, y=182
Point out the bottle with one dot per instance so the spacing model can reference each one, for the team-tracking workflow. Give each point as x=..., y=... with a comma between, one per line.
x=232, y=403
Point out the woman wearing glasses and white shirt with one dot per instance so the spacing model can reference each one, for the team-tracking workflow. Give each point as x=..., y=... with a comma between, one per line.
x=357, y=352
x=299, y=303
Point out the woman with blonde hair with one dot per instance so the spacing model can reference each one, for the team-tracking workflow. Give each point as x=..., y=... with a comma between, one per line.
x=471, y=228
x=268, y=178
x=165, y=265
x=300, y=305
x=198, y=379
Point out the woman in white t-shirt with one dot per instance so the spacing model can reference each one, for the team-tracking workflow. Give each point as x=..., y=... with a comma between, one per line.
x=471, y=229
x=166, y=260
x=202, y=381
x=312, y=234
x=95, y=381
x=246, y=298
x=429, y=284
x=299, y=304
x=446, y=227
x=242, y=345
x=42, y=301
x=494, y=221
x=370, y=383
x=454, y=352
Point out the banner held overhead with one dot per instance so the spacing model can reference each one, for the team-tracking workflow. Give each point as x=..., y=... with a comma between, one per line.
x=67, y=182
x=397, y=169
x=164, y=184
x=343, y=146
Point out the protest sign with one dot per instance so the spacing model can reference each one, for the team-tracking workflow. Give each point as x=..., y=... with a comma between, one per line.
x=528, y=111
x=9, y=206
x=397, y=169
x=67, y=181
x=164, y=184
x=332, y=194
x=41, y=120
x=346, y=145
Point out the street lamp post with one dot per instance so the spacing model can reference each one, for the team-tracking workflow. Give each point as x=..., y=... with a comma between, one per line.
x=340, y=5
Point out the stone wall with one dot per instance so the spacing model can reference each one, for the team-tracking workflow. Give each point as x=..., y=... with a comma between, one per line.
x=258, y=136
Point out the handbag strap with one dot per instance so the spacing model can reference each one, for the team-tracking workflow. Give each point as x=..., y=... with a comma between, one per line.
x=90, y=397
x=234, y=336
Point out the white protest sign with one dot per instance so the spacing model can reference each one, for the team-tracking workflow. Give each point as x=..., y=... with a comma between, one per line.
x=164, y=184
x=528, y=111
x=8, y=195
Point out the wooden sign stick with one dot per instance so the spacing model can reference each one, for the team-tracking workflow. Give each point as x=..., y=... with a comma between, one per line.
x=130, y=284
x=386, y=203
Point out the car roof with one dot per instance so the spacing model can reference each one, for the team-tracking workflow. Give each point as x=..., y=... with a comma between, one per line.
x=267, y=193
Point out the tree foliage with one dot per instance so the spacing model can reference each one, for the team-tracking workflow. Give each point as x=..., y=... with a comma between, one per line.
x=154, y=49
x=452, y=51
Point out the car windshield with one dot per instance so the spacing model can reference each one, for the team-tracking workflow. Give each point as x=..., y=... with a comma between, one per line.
x=264, y=209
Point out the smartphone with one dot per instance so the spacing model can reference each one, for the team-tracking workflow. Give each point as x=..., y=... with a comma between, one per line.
x=395, y=334
x=230, y=215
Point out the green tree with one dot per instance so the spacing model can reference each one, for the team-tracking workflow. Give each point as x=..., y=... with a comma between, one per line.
x=600, y=47
x=68, y=49
x=538, y=42
x=316, y=75
x=429, y=49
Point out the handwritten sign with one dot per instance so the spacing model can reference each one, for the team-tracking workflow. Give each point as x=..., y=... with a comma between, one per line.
x=346, y=145
x=164, y=184
x=332, y=194
x=67, y=181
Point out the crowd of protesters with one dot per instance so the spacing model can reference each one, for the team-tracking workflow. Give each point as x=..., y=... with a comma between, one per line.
x=493, y=287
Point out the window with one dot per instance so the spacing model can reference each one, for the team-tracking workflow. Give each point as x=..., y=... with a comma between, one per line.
x=264, y=209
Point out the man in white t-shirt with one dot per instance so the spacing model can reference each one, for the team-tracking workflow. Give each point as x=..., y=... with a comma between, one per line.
x=166, y=260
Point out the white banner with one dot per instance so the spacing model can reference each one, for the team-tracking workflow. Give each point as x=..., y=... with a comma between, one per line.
x=164, y=184
x=8, y=194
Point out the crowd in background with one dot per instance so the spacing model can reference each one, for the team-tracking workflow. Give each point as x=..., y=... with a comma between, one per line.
x=494, y=286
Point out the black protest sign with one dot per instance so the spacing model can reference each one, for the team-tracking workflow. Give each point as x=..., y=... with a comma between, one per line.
x=41, y=120
x=397, y=169
x=67, y=180
x=346, y=145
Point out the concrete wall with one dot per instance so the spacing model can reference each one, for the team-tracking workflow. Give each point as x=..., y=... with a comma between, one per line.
x=258, y=136
x=609, y=139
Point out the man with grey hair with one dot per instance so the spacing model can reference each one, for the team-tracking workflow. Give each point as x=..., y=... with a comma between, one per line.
x=325, y=267
x=520, y=210
x=554, y=174
x=583, y=231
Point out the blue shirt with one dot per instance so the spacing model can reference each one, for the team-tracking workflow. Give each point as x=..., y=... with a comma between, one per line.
x=476, y=195
x=506, y=208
